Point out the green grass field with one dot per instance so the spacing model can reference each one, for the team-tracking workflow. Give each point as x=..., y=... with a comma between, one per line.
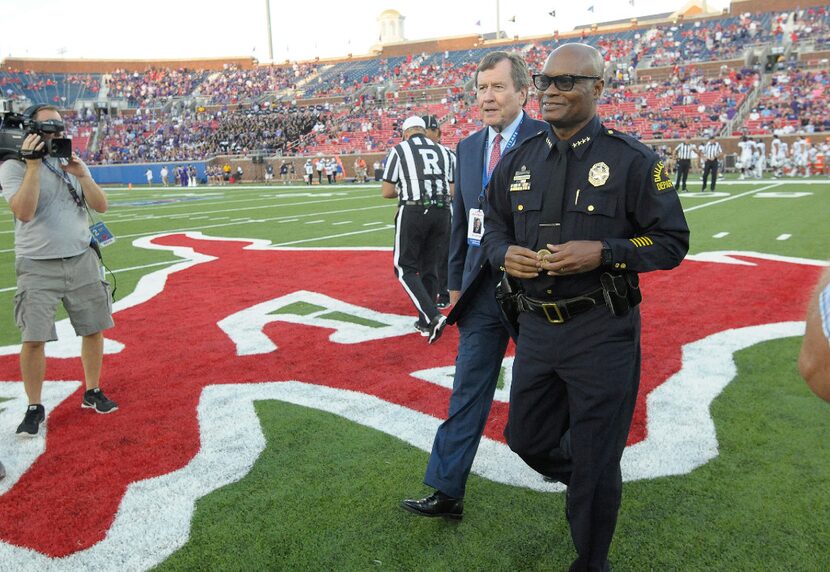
x=324, y=493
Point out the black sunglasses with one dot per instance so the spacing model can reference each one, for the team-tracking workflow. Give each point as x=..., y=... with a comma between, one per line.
x=564, y=82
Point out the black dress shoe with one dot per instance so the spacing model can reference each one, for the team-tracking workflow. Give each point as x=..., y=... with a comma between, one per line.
x=436, y=504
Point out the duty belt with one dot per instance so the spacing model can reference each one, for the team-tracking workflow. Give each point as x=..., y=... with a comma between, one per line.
x=560, y=311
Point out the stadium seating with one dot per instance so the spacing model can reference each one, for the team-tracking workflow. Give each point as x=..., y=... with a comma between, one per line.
x=52, y=88
x=356, y=105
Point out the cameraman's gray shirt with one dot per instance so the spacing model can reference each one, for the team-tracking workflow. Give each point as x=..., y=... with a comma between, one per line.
x=59, y=228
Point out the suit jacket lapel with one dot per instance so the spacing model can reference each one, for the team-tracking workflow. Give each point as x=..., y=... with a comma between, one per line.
x=479, y=144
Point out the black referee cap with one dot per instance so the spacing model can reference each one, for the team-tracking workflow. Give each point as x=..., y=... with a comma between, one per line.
x=431, y=122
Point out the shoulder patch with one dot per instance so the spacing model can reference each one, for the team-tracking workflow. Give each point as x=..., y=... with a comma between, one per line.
x=660, y=177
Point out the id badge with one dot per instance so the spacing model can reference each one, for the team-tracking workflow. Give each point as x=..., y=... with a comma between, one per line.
x=475, y=227
x=101, y=234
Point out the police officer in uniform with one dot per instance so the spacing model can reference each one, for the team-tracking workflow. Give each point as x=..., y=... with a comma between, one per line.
x=572, y=217
x=684, y=153
x=419, y=173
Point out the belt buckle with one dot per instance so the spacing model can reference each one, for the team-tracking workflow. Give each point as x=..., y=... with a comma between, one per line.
x=559, y=319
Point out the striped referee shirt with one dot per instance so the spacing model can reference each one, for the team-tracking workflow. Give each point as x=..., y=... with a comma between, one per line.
x=420, y=169
x=712, y=150
x=685, y=151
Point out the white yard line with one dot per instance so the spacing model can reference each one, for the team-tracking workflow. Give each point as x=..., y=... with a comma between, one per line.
x=752, y=192
x=248, y=221
x=720, y=235
x=387, y=227
x=783, y=237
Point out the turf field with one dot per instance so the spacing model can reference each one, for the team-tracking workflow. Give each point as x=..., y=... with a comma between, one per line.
x=322, y=486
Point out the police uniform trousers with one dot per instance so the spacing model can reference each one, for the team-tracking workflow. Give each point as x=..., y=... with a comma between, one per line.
x=483, y=339
x=683, y=166
x=571, y=403
x=419, y=233
x=710, y=167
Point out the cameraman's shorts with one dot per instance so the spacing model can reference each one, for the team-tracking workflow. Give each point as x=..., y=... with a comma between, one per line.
x=74, y=281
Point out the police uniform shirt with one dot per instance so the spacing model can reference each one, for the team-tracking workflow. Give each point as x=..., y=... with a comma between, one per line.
x=685, y=151
x=616, y=190
x=711, y=150
x=421, y=169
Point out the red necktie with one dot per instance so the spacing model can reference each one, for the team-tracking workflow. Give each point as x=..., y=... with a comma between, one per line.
x=495, y=154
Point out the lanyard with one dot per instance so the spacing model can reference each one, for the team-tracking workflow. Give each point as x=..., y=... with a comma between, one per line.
x=485, y=176
x=65, y=178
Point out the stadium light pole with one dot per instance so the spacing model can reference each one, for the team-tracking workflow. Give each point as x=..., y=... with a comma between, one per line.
x=270, y=41
x=498, y=22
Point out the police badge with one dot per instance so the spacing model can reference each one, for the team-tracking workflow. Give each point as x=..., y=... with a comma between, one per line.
x=598, y=174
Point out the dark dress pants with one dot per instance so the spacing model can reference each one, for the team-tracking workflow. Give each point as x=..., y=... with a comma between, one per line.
x=571, y=403
x=481, y=346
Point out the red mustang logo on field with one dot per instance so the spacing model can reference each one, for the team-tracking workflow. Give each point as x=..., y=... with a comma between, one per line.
x=243, y=314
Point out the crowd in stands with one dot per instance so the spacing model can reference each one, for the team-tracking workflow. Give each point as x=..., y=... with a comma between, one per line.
x=194, y=135
x=796, y=101
x=236, y=85
x=56, y=89
x=264, y=108
x=154, y=87
x=696, y=42
x=686, y=104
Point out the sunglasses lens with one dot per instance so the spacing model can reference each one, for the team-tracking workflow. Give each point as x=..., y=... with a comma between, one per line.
x=542, y=82
x=564, y=82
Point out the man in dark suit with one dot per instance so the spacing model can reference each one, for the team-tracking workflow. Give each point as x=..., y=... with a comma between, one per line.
x=502, y=82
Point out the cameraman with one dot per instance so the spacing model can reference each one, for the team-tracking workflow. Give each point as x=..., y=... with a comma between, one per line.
x=54, y=262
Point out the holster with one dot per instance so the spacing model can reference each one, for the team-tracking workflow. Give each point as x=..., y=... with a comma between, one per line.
x=621, y=292
x=507, y=296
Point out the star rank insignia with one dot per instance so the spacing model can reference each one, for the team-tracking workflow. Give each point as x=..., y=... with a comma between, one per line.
x=599, y=174
x=581, y=142
x=521, y=180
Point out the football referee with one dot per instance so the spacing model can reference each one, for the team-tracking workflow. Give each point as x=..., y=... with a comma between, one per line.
x=684, y=153
x=712, y=152
x=419, y=173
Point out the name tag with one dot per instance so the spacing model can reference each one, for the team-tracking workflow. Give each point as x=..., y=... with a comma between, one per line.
x=102, y=234
x=475, y=227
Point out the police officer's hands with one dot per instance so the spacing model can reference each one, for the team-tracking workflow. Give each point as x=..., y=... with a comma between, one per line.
x=572, y=257
x=32, y=143
x=521, y=262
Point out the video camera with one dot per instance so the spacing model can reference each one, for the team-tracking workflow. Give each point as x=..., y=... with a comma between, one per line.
x=14, y=127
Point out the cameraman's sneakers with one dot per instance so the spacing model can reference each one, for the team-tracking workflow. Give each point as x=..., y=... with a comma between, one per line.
x=95, y=399
x=35, y=415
